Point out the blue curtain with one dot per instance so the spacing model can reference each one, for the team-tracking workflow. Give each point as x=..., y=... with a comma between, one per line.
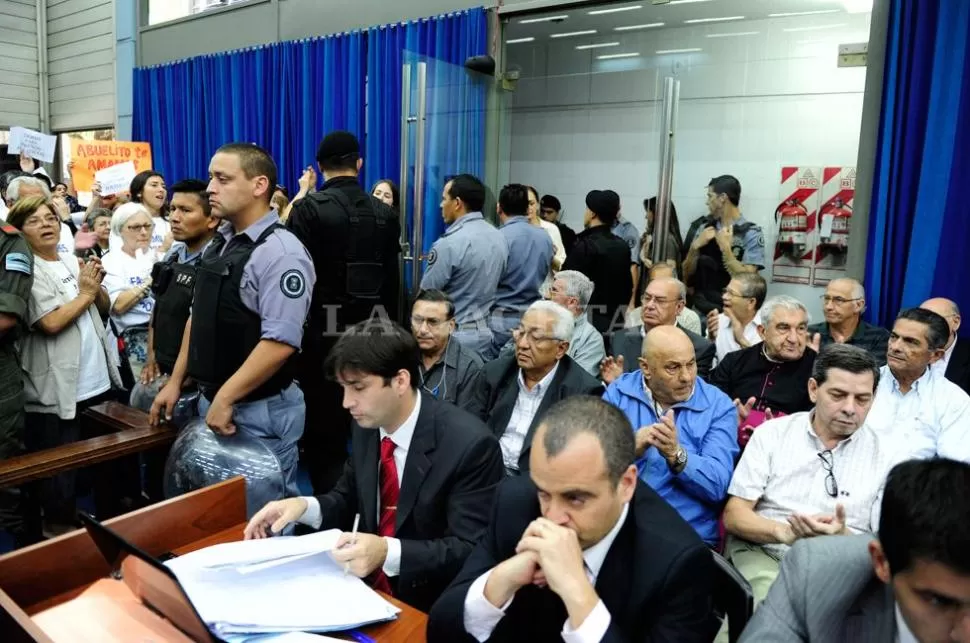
x=919, y=234
x=283, y=96
x=455, y=130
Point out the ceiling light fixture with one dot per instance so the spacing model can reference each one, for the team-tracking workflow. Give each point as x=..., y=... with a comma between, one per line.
x=570, y=34
x=788, y=14
x=516, y=41
x=697, y=21
x=814, y=28
x=530, y=21
x=733, y=34
x=662, y=52
x=600, y=12
x=598, y=45
x=635, y=27
x=687, y=1
x=612, y=56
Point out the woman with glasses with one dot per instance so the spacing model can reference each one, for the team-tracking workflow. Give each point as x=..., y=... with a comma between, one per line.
x=65, y=358
x=128, y=268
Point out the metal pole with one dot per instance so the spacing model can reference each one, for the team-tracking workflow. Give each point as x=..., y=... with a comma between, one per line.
x=665, y=181
x=42, y=70
x=403, y=199
x=418, y=240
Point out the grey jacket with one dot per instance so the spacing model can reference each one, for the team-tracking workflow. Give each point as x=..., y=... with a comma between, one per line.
x=827, y=592
x=460, y=381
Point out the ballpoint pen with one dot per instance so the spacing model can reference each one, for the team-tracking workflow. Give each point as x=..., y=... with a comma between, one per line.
x=353, y=541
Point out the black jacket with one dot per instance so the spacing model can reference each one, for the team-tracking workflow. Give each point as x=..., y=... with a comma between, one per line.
x=453, y=466
x=629, y=343
x=605, y=259
x=499, y=390
x=656, y=581
x=958, y=370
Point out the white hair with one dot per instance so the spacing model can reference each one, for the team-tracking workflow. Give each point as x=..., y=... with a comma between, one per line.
x=125, y=212
x=13, y=189
x=782, y=302
x=681, y=288
x=577, y=285
x=565, y=322
x=858, y=290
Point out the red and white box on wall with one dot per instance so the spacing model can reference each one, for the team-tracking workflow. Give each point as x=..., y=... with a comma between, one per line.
x=795, y=218
x=835, y=223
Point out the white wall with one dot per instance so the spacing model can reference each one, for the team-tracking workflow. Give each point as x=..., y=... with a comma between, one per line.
x=749, y=104
x=19, y=90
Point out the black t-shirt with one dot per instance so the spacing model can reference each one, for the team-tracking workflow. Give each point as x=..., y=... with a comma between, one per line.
x=779, y=386
x=605, y=259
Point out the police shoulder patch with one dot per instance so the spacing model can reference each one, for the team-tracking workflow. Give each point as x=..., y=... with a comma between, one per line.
x=293, y=284
x=761, y=239
x=18, y=262
x=432, y=257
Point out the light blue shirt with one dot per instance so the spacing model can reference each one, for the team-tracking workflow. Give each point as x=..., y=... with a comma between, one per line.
x=467, y=262
x=530, y=256
x=629, y=233
x=753, y=243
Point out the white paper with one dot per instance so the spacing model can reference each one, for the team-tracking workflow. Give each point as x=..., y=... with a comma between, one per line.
x=33, y=144
x=287, y=637
x=826, y=230
x=115, y=178
x=252, y=552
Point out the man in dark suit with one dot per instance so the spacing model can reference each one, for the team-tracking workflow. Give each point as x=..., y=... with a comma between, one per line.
x=912, y=584
x=582, y=551
x=422, y=473
x=662, y=301
x=517, y=389
x=955, y=363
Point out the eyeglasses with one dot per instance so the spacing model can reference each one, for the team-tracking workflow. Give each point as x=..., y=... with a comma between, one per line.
x=417, y=320
x=137, y=228
x=732, y=293
x=36, y=222
x=532, y=336
x=838, y=301
x=660, y=301
x=828, y=460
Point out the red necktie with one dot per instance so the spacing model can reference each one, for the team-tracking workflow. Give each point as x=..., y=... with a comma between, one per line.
x=390, y=491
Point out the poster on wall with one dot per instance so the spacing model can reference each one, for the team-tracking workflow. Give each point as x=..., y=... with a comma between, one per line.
x=835, y=218
x=795, y=219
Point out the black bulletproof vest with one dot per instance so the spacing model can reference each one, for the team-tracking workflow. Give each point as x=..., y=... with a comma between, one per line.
x=710, y=277
x=363, y=253
x=173, y=284
x=224, y=330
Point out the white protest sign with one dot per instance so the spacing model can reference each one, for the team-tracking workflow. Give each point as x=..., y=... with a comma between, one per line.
x=116, y=178
x=33, y=144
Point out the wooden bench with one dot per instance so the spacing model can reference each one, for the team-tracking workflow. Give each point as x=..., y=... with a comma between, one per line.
x=128, y=432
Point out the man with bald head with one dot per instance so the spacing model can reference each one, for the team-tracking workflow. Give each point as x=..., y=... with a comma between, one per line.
x=955, y=363
x=663, y=299
x=842, y=304
x=686, y=429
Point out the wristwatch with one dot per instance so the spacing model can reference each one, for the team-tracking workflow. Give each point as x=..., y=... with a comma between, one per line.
x=680, y=460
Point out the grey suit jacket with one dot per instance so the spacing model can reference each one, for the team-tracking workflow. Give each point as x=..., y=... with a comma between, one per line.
x=827, y=592
x=629, y=342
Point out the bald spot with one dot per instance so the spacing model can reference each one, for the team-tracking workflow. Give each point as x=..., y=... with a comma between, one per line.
x=665, y=343
x=942, y=307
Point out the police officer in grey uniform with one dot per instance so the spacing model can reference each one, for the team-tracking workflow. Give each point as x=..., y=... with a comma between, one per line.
x=16, y=280
x=252, y=295
x=721, y=245
x=530, y=257
x=468, y=261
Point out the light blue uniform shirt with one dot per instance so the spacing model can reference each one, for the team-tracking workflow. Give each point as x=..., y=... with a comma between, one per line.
x=530, y=256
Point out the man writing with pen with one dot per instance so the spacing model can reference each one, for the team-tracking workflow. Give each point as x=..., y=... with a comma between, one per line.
x=421, y=476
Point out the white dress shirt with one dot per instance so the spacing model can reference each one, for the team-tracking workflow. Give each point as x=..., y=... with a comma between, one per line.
x=525, y=409
x=402, y=443
x=903, y=633
x=932, y=419
x=939, y=366
x=481, y=617
x=726, y=343
x=781, y=472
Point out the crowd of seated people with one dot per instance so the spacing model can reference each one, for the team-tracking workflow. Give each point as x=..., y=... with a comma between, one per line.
x=552, y=440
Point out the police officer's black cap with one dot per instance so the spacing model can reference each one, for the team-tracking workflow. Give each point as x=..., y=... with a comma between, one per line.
x=549, y=202
x=605, y=204
x=338, y=146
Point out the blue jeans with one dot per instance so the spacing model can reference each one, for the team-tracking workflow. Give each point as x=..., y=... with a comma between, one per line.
x=278, y=421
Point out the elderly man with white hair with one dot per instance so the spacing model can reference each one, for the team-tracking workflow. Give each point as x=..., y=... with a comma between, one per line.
x=770, y=379
x=128, y=268
x=572, y=289
x=25, y=186
x=843, y=303
x=517, y=389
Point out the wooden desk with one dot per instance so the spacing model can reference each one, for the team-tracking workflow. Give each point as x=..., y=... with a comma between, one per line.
x=130, y=433
x=50, y=573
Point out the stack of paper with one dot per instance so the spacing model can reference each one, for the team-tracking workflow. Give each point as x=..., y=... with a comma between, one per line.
x=284, y=584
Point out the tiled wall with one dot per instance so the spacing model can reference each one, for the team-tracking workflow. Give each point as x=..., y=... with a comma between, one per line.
x=749, y=104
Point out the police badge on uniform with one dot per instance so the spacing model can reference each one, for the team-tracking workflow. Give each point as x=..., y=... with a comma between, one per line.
x=293, y=284
x=432, y=257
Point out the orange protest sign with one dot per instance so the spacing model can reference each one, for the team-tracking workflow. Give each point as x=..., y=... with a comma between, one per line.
x=90, y=156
